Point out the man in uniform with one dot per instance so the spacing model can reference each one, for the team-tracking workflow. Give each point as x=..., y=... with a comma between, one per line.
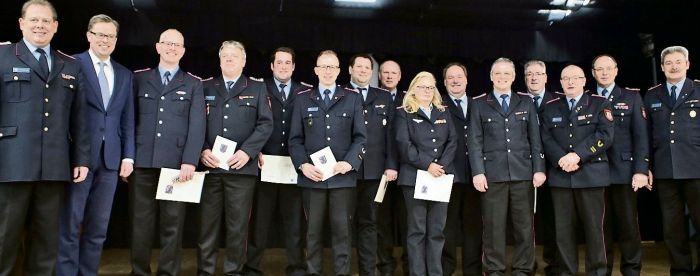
x=378, y=110
x=169, y=134
x=110, y=117
x=271, y=198
x=672, y=109
x=506, y=158
x=628, y=157
x=535, y=81
x=577, y=129
x=464, y=209
x=44, y=142
x=392, y=210
x=328, y=116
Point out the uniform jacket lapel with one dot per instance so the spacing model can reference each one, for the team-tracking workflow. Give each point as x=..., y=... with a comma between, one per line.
x=22, y=52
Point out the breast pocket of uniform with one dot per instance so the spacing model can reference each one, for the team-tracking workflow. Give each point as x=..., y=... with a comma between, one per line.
x=309, y=120
x=211, y=109
x=522, y=119
x=180, y=103
x=66, y=95
x=622, y=118
x=247, y=109
x=342, y=119
x=16, y=87
x=382, y=118
x=146, y=102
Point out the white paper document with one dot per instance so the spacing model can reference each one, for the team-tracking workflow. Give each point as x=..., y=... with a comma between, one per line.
x=278, y=169
x=381, y=190
x=223, y=149
x=171, y=189
x=433, y=188
x=325, y=162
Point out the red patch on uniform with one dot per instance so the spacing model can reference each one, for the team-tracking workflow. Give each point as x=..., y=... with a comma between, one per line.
x=608, y=114
x=644, y=113
x=269, y=102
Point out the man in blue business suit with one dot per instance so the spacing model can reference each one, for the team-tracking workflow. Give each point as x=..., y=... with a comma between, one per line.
x=110, y=119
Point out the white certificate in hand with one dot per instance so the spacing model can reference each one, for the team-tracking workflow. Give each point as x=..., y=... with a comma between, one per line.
x=223, y=149
x=325, y=162
x=381, y=190
x=278, y=169
x=171, y=189
x=433, y=188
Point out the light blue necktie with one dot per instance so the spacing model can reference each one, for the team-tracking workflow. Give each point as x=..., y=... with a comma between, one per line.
x=104, y=85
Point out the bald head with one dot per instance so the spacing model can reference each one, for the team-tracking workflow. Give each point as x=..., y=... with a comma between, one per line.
x=572, y=81
x=171, y=48
x=389, y=74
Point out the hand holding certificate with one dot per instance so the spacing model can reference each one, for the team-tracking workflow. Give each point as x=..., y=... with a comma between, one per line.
x=325, y=162
x=223, y=150
x=171, y=189
x=381, y=190
x=278, y=169
x=429, y=187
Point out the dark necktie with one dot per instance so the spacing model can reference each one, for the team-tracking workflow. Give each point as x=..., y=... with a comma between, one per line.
x=504, y=103
x=458, y=102
x=166, y=78
x=573, y=103
x=282, y=94
x=326, y=97
x=673, y=95
x=229, y=85
x=43, y=62
x=362, y=92
x=604, y=92
x=536, y=100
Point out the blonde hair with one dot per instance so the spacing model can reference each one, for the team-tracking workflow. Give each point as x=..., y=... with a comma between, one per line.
x=410, y=103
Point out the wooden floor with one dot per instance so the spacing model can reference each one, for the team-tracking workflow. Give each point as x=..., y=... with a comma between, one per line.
x=116, y=261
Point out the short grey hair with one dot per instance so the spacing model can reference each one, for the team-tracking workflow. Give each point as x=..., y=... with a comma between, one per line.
x=534, y=62
x=233, y=43
x=675, y=49
x=502, y=60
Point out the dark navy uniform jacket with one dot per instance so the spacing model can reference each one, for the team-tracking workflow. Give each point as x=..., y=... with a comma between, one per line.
x=378, y=111
x=43, y=133
x=675, y=131
x=170, y=120
x=587, y=131
x=339, y=126
x=282, y=116
x=629, y=152
x=461, y=124
x=505, y=146
x=242, y=115
x=422, y=140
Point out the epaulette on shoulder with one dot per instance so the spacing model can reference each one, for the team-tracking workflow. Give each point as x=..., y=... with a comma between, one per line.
x=208, y=79
x=480, y=96
x=597, y=96
x=303, y=91
x=65, y=55
x=142, y=70
x=552, y=100
x=655, y=86
x=560, y=93
x=351, y=89
x=194, y=76
x=632, y=89
x=5, y=43
x=523, y=94
x=696, y=80
x=399, y=107
x=256, y=79
x=306, y=84
x=385, y=90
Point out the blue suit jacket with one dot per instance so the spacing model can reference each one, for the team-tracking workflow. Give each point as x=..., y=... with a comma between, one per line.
x=115, y=123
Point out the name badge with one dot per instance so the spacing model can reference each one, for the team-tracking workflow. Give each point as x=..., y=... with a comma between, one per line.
x=20, y=70
x=210, y=98
x=181, y=92
x=556, y=120
x=312, y=109
x=655, y=105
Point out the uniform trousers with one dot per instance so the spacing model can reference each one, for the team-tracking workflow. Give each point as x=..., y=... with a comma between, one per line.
x=391, y=227
x=622, y=224
x=425, y=237
x=674, y=196
x=463, y=227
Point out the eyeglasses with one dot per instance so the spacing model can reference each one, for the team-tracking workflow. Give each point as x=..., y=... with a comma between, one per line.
x=567, y=79
x=606, y=69
x=425, y=88
x=327, y=67
x=172, y=44
x=530, y=75
x=103, y=36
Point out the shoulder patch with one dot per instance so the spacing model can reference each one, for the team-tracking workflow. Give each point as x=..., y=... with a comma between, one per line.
x=385, y=90
x=552, y=100
x=632, y=89
x=5, y=43
x=142, y=70
x=256, y=79
x=208, y=79
x=194, y=76
x=655, y=86
x=303, y=91
x=64, y=54
x=480, y=96
x=306, y=84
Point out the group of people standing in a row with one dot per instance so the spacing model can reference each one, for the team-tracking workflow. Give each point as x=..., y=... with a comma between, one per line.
x=70, y=126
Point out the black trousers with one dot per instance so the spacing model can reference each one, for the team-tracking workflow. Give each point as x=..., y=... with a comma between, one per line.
x=145, y=212
x=544, y=219
x=391, y=227
x=463, y=227
x=501, y=198
x=29, y=215
x=271, y=199
x=621, y=224
x=425, y=237
x=366, y=217
x=674, y=196
x=338, y=205
x=586, y=205
x=228, y=197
